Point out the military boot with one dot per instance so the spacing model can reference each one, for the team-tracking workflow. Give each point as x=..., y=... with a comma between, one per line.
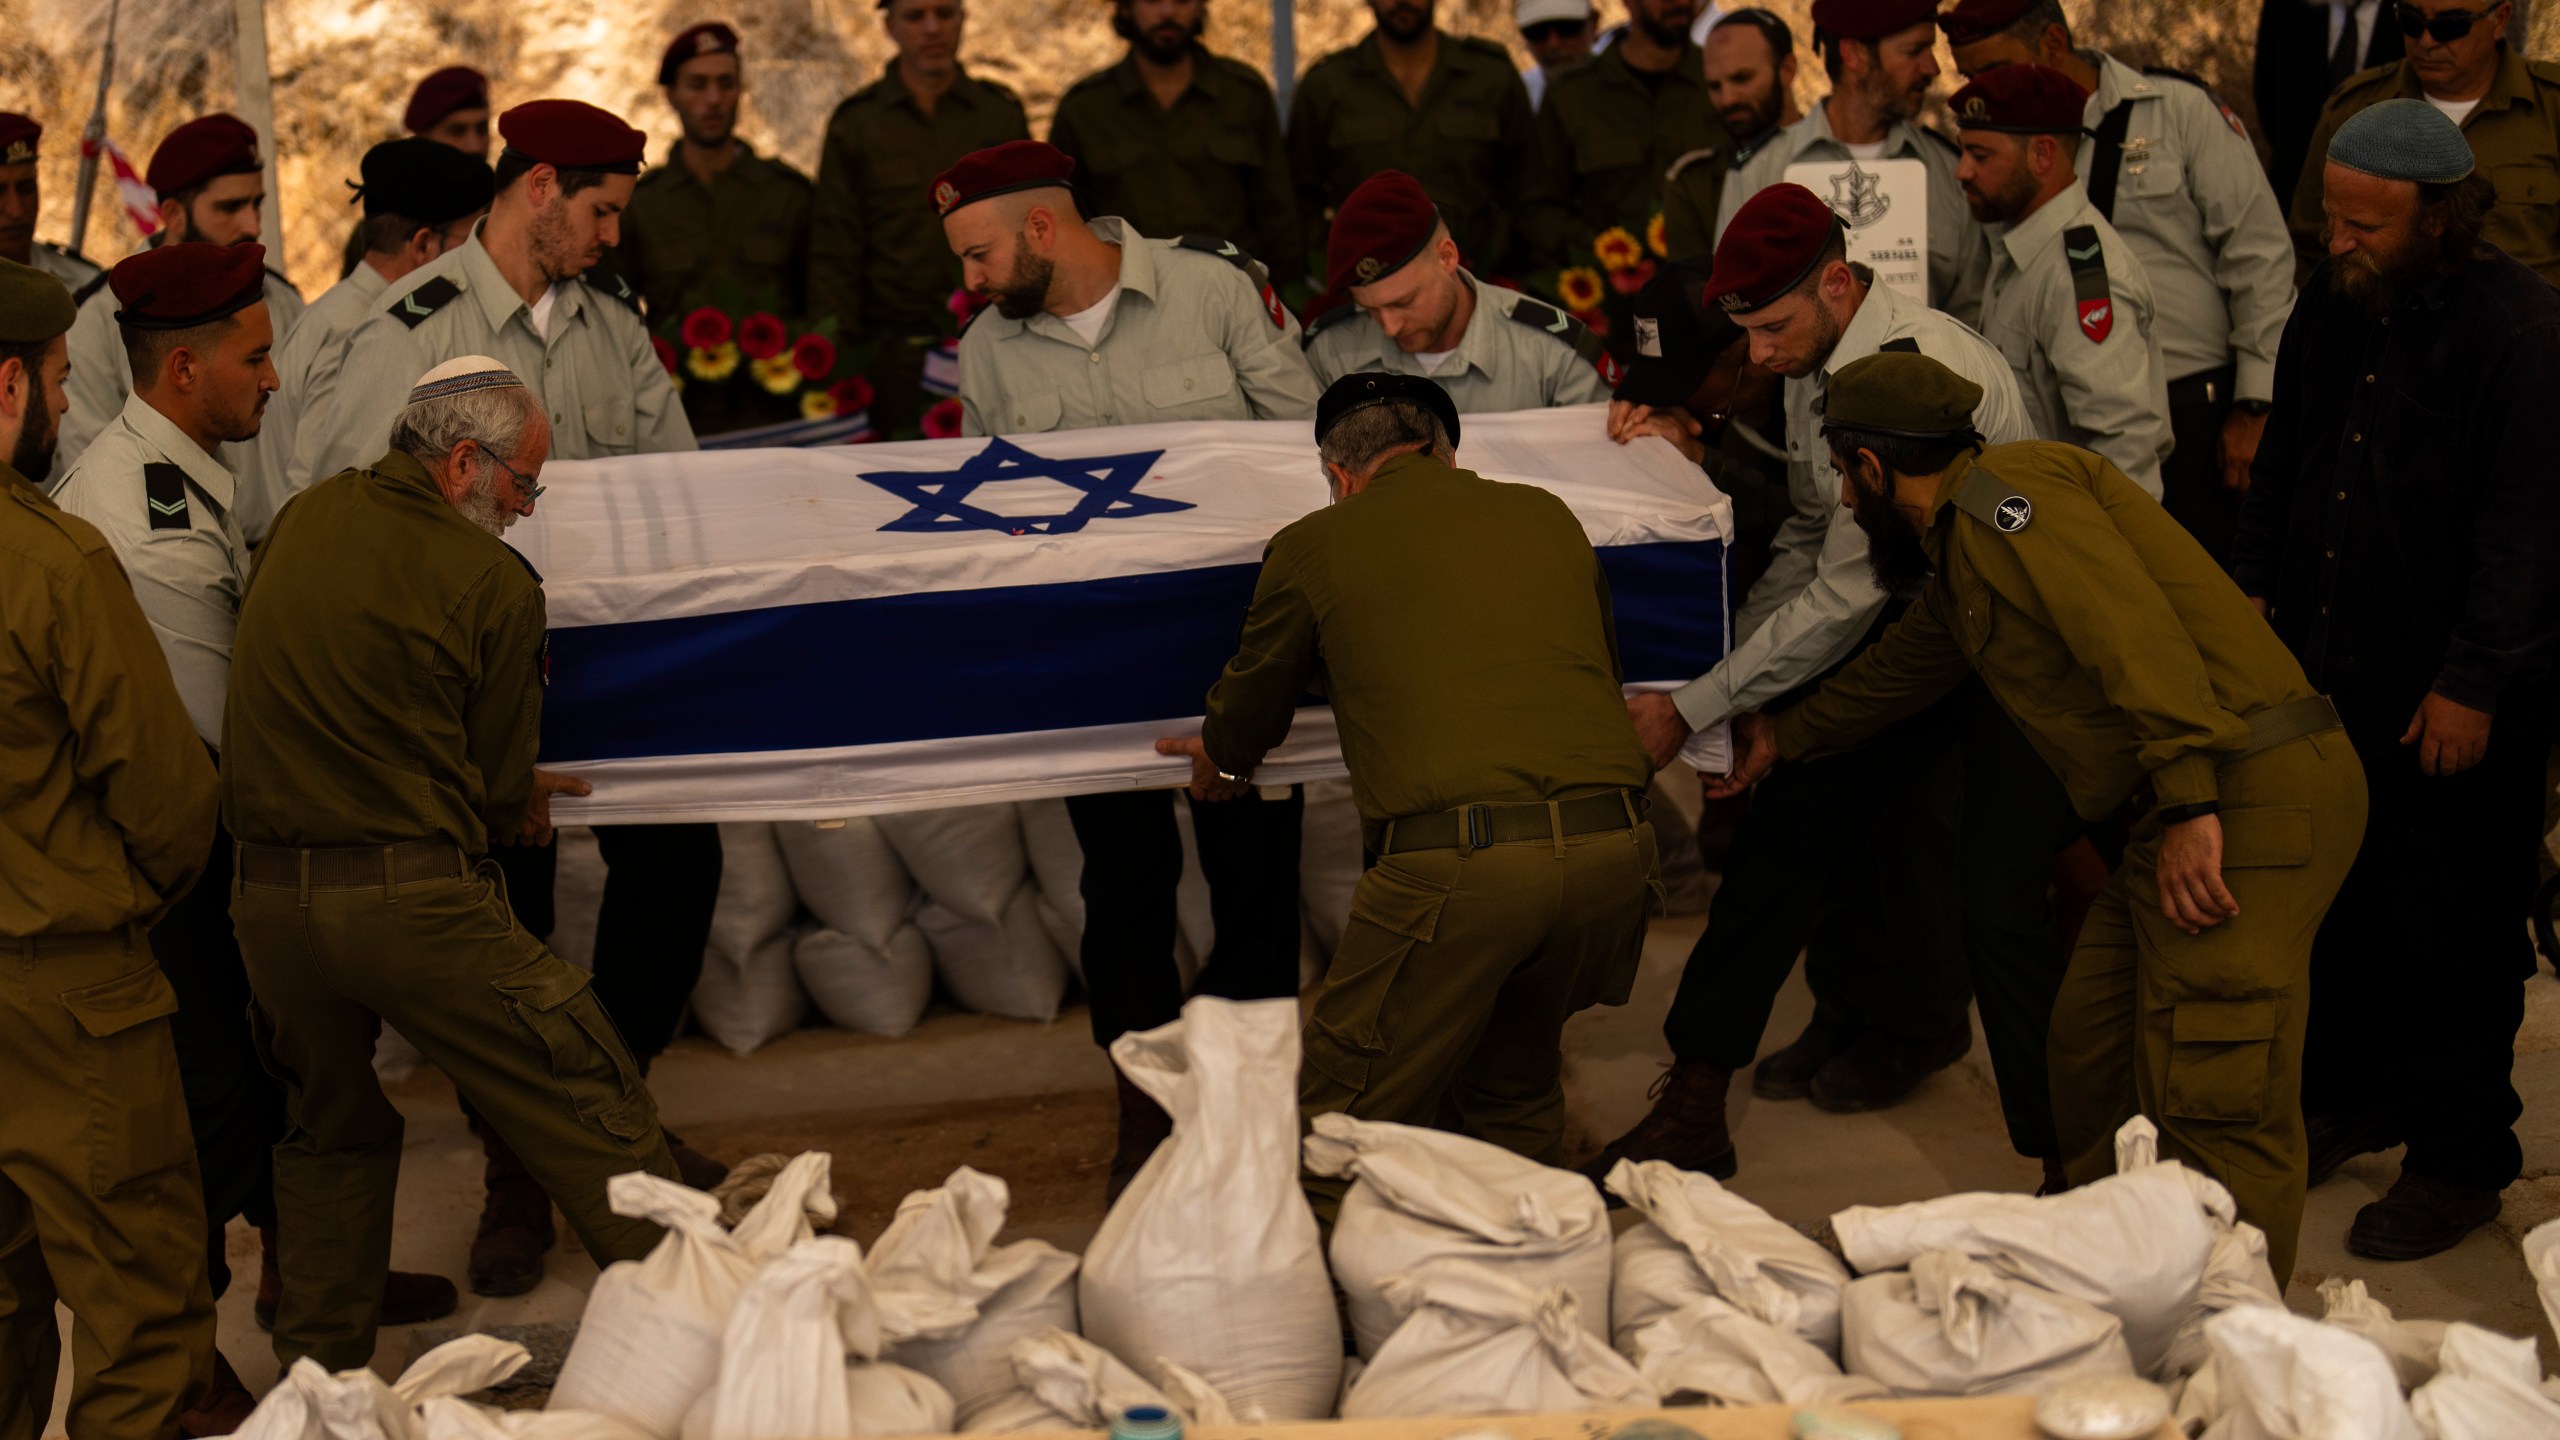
x=2337, y=1139
x=515, y=1223
x=1144, y=1125
x=1686, y=1126
x=1882, y=1069
x=407, y=1298
x=2422, y=1216
x=224, y=1406
x=1788, y=1074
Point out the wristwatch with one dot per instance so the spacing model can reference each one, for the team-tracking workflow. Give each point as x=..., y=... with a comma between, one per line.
x=2180, y=814
x=1230, y=779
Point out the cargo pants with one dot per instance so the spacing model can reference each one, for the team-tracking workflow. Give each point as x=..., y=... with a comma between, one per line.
x=516, y=1028
x=2204, y=1033
x=100, y=1207
x=1448, y=993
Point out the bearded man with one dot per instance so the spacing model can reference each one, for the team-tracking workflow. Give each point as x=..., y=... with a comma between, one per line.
x=2403, y=537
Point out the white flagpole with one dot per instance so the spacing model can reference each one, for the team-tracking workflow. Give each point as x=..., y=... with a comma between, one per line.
x=257, y=106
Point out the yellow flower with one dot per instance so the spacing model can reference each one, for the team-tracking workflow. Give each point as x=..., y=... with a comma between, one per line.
x=717, y=363
x=776, y=373
x=817, y=405
x=1657, y=238
x=1617, y=249
x=1579, y=288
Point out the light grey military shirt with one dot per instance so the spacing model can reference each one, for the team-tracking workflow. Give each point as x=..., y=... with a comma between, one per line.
x=1195, y=335
x=2089, y=365
x=101, y=377
x=1956, y=242
x=1818, y=598
x=62, y=265
x=1517, y=354
x=166, y=507
x=593, y=367
x=306, y=361
x=2195, y=206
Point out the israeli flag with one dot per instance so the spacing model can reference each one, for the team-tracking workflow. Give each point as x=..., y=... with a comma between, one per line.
x=807, y=634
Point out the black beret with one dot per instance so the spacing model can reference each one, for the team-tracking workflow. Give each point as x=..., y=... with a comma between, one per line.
x=424, y=180
x=1376, y=387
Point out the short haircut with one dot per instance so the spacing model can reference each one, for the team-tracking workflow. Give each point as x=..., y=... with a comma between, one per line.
x=514, y=165
x=1901, y=454
x=1828, y=46
x=2031, y=22
x=498, y=418
x=148, y=350
x=389, y=234
x=1782, y=40
x=29, y=353
x=1357, y=440
x=2465, y=205
x=1836, y=248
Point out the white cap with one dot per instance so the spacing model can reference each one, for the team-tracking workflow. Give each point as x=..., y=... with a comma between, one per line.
x=462, y=375
x=1539, y=12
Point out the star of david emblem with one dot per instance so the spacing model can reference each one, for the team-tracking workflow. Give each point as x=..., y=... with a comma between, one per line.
x=941, y=497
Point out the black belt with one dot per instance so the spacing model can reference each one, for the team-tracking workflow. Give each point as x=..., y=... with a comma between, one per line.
x=1473, y=827
x=341, y=867
x=2282, y=724
x=2206, y=387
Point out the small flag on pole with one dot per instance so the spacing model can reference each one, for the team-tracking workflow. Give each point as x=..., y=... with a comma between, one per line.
x=141, y=205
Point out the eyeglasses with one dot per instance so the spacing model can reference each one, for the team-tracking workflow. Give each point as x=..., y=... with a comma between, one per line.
x=531, y=491
x=1547, y=30
x=2446, y=28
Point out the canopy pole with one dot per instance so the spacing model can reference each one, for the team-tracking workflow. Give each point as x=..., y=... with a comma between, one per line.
x=257, y=106
x=1284, y=51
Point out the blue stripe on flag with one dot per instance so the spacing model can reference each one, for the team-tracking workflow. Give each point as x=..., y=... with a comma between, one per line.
x=941, y=663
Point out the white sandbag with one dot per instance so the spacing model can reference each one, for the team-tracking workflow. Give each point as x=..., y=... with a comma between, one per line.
x=756, y=896
x=2542, y=1262
x=2132, y=1244
x=1699, y=1240
x=445, y=1417
x=1420, y=1195
x=309, y=1403
x=867, y=966
x=2283, y=1377
x=888, y=1399
x=1709, y=1352
x=799, y=1200
x=649, y=1345
x=2236, y=1272
x=797, y=1361
x=748, y=994
x=966, y=1299
x=1066, y=1382
x=1953, y=1325
x=1329, y=860
x=1057, y=867
x=577, y=895
x=1210, y=1260
x=2414, y=1346
x=2489, y=1387
x=872, y=989
x=981, y=908
x=1473, y=1341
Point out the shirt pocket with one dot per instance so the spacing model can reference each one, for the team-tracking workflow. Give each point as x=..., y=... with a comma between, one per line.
x=2152, y=178
x=1235, y=149
x=1184, y=384
x=612, y=422
x=1973, y=618
x=1027, y=414
x=1601, y=151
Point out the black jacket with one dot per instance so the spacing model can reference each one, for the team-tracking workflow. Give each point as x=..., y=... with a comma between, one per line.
x=2291, y=79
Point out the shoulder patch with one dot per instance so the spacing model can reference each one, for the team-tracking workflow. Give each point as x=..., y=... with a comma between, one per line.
x=1317, y=325
x=164, y=492
x=1988, y=498
x=1693, y=157
x=1226, y=250
x=610, y=284
x=1903, y=345
x=97, y=283
x=1541, y=316
x=2088, y=257
x=413, y=308
x=2546, y=71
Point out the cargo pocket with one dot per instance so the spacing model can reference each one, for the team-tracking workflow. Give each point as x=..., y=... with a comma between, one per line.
x=588, y=1060
x=1392, y=912
x=137, y=1109
x=2266, y=837
x=2220, y=1054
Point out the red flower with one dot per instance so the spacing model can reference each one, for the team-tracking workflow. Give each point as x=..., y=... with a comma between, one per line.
x=814, y=355
x=666, y=352
x=942, y=421
x=706, y=329
x=1628, y=282
x=850, y=394
x=964, y=302
x=761, y=336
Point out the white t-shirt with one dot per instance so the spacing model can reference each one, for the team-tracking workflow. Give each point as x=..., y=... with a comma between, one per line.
x=542, y=312
x=2456, y=111
x=1088, y=322
x=1432, y=360
x=1872, y=150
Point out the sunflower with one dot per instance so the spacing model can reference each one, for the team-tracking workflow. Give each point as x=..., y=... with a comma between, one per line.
x=775, y=373
x=1657, y=237
x=1579, y=288
x=1616, y=249
x=817, y=405
x=717, y=362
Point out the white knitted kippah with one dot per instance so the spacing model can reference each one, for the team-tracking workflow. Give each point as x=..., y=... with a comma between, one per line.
x=461, y=376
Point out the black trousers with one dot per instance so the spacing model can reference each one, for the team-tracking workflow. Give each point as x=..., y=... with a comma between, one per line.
x=1132, y=864
x=235, y=1106
x=661, y=883
x=1818, y=840
x=2191, y=478
x=2417, y=977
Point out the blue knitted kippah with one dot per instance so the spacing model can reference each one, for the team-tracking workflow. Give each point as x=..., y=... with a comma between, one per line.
x=2403, y=139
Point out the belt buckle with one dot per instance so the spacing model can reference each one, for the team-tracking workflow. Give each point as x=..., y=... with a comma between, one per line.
x=1478, y=827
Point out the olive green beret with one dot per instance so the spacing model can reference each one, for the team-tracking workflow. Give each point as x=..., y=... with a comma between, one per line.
x=1901, y=392
x=33, y=305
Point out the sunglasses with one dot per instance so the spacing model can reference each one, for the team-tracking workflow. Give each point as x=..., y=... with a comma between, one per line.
x=2445, y=28
x=1546, y=30
x=529, y=489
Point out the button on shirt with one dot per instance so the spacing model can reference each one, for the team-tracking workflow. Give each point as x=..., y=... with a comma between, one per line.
x=2194, y=204
x=101, y=376
x=2105, y=394
x=306, y=364
x=1192, y=338
x=1819, y=596
x=186, y=575
x=1500, y=363
x=592, y=365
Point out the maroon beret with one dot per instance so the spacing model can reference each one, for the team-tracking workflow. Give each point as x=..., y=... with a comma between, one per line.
x=176, y=287
x=1000, y=170
x=200, y=150
x=1772, y=243
x=2021, y=100
x=711, y=37
x=572, y=135
x=1871, y=19
x=1380, y=227
x=1971, y=20
x=455, y=87
x=18, y=137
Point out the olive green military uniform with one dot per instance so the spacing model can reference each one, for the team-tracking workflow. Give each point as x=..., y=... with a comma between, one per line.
x=878, y=261
x=2136, y=668
x=1468, y=140
x=1614, y=147
x=1956, y=243
x=2515, y=137
x=2069, y=305
x=105, y=817
x=1517, y=354
x=1197, y=334
x=386, y=698
x=739, y=244
x=1473, y=717
x=101, y=376
x=1212, y=163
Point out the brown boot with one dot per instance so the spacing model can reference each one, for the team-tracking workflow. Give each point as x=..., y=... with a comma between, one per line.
x=407, y=1298
x=515, y=1223
x=1143, y=1127
x=224, y=1406
x=1685, y=1126
x=697, y=1170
